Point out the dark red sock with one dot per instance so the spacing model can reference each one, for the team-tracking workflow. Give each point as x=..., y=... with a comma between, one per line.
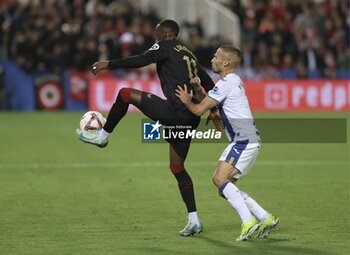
x=118, y=110
x=186, y=189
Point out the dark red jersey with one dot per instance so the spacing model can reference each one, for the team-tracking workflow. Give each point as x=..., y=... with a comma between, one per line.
x=176, y=65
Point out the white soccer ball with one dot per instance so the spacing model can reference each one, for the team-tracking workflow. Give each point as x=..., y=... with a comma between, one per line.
x=92, y=120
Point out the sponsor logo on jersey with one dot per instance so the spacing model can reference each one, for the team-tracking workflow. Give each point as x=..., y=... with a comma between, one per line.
x=237, y=152
x=155, y=47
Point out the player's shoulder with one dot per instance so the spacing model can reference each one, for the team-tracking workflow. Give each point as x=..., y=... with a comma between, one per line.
x=230, y=82
x=167, y=43
x=155, y=46
x=232, y=77
x=162, y=45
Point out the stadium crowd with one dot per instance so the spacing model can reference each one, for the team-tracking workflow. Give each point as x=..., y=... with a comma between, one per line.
x=294, y=38
x=280, y=38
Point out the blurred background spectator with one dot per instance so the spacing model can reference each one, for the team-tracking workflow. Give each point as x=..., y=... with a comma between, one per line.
x=280, y=38
x=294, y=38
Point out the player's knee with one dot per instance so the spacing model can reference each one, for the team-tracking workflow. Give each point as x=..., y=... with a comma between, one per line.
x=214, y=180
x=217, y=180
x=125, y=94
x=175, y=169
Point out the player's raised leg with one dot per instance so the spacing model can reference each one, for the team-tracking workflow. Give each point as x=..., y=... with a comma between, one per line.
x=118, y=110
x=221, y=177
x=178, y=153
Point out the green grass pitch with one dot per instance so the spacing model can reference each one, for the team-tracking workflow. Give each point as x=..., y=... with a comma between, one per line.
x=60, y=196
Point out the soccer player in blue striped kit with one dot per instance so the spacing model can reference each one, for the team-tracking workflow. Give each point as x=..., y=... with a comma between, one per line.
x=238, y=158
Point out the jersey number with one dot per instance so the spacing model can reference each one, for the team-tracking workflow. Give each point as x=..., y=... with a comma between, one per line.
x=191, y=66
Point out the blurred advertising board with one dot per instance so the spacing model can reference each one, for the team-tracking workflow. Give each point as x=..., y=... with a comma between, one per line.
x=49, y=91
x=75, y=90
x=290, y=95
x=103, y=92
x=299, y=95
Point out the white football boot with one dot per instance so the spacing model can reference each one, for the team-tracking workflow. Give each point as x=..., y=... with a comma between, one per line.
x=191, y=228
x=92, y=137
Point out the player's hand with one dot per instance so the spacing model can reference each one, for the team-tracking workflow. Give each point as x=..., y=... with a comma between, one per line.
x=214, y=115
x=183, y=94
x=195, y=82
x=99, y=66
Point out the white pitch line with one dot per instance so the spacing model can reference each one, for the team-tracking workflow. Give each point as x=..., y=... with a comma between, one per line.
x=165, y=164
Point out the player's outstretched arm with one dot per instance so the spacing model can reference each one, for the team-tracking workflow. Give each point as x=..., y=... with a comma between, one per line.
x=136, y=61
x=186, y=98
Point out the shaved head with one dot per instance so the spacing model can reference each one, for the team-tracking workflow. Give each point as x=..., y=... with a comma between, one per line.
x=232, y=54
x=226, y=59
x=170, y=26
x=167, y=30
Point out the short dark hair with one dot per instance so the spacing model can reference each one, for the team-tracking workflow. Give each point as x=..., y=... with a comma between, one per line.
x=171, y=25
x=231, y=49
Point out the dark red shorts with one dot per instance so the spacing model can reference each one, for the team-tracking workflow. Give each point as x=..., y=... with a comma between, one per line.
x=158, y=109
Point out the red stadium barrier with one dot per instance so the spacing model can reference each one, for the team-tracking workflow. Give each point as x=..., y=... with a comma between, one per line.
x=290, y=95
x=103, y=92
x=299, y=95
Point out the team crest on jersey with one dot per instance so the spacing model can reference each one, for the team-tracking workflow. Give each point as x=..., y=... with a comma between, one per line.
x=155, y=47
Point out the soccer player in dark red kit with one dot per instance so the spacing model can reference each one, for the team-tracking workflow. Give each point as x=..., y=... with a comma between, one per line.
x=175, y=65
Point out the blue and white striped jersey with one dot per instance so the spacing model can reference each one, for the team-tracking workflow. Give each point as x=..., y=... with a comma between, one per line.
x=235, y=112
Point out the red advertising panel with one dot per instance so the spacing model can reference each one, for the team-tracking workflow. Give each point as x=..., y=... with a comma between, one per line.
x=49, y=91
x=299, y=95
x=291, y=95
x=78, y=85
x=103, y=92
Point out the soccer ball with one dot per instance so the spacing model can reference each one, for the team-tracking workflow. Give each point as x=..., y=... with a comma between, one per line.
x=92, y=120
